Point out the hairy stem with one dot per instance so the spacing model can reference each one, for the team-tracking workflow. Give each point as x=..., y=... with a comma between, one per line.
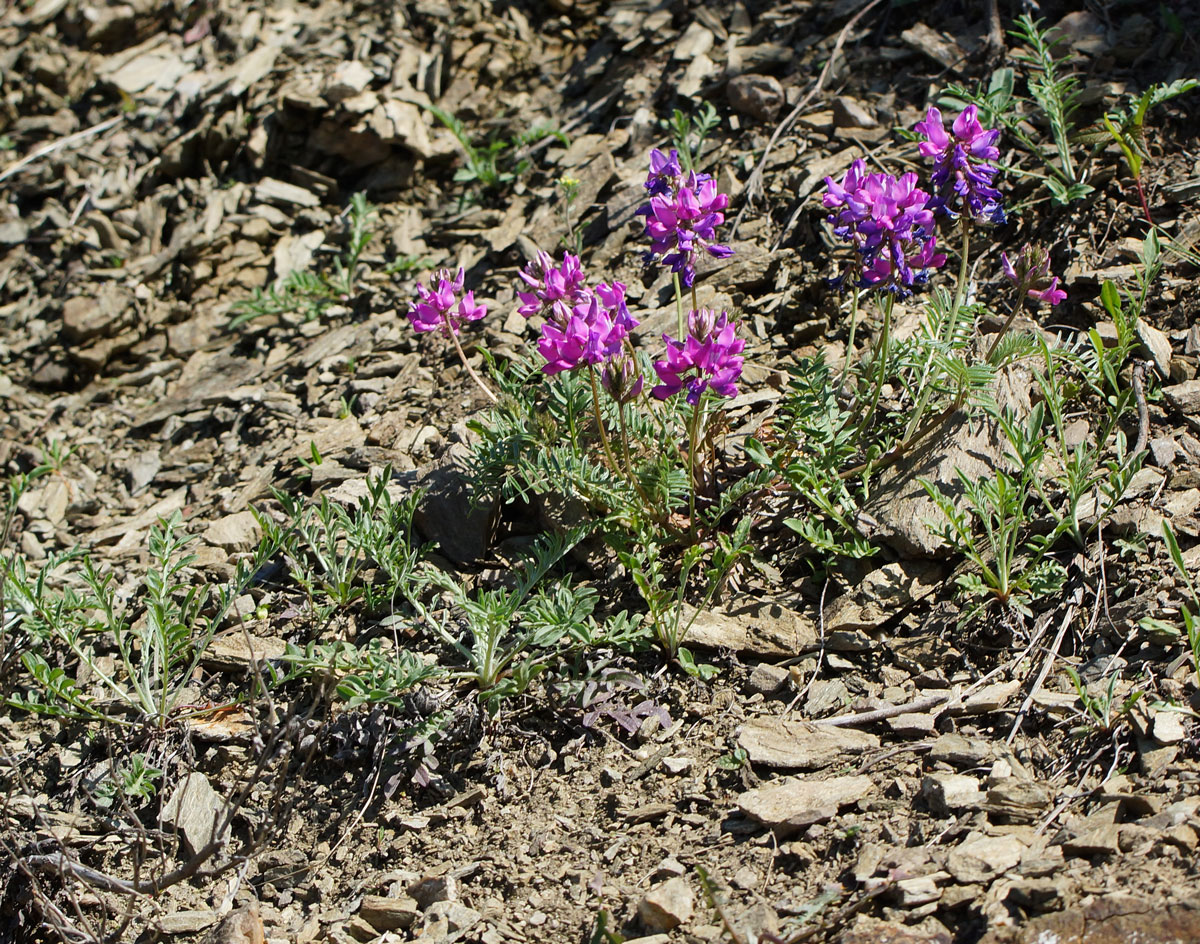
x=608, y=453
x=1003, y=330
x=679, y=306
x=633, y=479
x=881, y=359
x=693, y=436
x=850, y=339
x=470, y=370
x=960, y=293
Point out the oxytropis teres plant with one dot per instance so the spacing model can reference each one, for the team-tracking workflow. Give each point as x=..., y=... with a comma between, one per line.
x=631, y=446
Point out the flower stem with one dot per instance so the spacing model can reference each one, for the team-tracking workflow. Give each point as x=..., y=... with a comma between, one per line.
x=633, y=479
x=960, y=289
x=470, y=370
x=1003, y=330
x=1142, y=196
x=608, y=453
x=693, y=436
x=881, y=359
x=679, y=306
x=960, y=294
x=850, y=339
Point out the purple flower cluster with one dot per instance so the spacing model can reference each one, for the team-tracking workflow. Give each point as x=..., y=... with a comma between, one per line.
x=441, y=307
x=584, y=325
x=555, y=289
x=1031, y=275
x=962, y=174
x=890, y=223
x=682, y=216
x=709, y=357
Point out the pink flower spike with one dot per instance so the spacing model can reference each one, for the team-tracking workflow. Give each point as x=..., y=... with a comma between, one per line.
x=1030, y=272
x=435, y=308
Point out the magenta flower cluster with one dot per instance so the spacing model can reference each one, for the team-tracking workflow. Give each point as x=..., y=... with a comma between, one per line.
x=1031, y=274
x=962, y=173
x=682, y=216
x=708, y=358
x=890, y=223
x=584, y=325
x=441, y=307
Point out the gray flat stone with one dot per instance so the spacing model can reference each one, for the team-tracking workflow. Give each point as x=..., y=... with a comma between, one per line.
x=192, y=809
x=790, y=804
x=800, y=745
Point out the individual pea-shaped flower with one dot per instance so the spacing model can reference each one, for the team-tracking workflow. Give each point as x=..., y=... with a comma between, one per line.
x=665, y=172
x=612, y=297
x=440, y=308
x=962, y=169
x=1031, y=274
x=621, y=378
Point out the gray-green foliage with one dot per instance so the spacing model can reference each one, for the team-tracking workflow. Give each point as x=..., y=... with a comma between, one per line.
x=1190, y=614
x=509, y=635
x=541, y=441
x=310, y=293
x=665, y=592
x=831, y=444
x=689, y=132
x=988, y=525
x=539, y=444
x=157, y=639
x=1073, y=487
x=1127, y=126
x=370, y=674
x=1053, y=94
x=135, y=781
x=818, y=439
x=1103, y=711
x=330, y=547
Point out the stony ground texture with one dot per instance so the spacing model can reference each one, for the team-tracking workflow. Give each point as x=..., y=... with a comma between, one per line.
x=163, y=160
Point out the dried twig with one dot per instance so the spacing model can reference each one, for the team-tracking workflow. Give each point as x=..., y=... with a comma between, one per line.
x=61, y=143
x=879, y=714
x=820, y=652
x=917, y=704
x=1045, y=670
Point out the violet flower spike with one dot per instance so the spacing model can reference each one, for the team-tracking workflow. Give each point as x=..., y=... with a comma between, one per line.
x=962, y=169
x=696, y=364
x=435, y=307
x=682, y=221
x=889, y=223
x=556, y=288
x=1031, y=274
